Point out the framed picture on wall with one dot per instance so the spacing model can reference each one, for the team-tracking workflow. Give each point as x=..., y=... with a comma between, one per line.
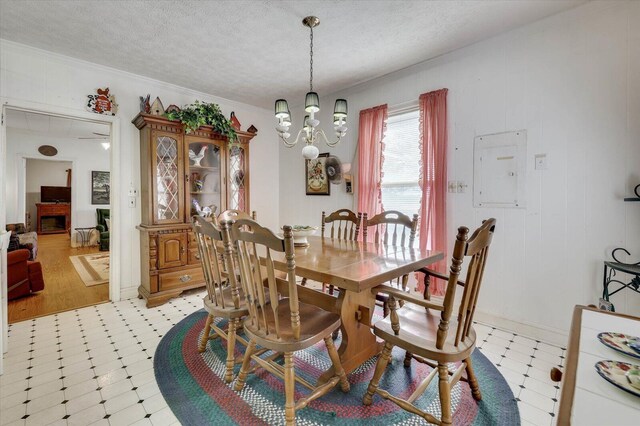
x=317, y=181
x=100, y=187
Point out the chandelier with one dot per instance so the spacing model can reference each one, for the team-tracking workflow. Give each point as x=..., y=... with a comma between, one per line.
x=310, y=132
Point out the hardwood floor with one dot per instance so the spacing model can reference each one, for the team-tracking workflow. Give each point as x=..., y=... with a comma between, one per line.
x=63, y=288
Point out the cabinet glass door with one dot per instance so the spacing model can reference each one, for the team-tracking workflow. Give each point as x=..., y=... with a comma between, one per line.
x=238, y=178
x=205, y=186
x=168, y=171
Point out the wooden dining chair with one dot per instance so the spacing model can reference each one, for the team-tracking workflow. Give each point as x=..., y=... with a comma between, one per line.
x=344, y=225
x=224, y=298
x=283, y=324
x=390, y=228
x=437, y=340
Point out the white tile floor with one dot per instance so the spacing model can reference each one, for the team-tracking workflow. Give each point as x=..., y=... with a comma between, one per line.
x=95, y=366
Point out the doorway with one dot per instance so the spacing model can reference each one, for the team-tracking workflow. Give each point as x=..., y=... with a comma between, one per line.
x=57, y=186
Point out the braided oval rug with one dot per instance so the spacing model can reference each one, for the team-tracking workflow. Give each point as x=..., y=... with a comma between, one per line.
x=192, y=384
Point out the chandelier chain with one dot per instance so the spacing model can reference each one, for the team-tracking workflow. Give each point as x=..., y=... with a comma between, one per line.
x=311, y=61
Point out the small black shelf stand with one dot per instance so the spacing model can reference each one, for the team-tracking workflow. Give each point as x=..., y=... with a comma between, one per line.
x=610, y=269
x=636, y=190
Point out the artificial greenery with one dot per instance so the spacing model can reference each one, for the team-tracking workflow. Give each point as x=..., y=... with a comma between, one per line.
x=202, y=114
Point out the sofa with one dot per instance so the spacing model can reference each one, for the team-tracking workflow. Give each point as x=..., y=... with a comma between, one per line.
x=23, y=276
x=104, y=216
x=25, y=240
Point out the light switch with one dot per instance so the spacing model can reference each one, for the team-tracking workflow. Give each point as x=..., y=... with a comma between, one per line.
x=132, y=202
x=452, y=186
x=541, y=161
x=461, y=187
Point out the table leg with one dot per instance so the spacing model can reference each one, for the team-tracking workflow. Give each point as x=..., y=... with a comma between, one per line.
x=358, y=341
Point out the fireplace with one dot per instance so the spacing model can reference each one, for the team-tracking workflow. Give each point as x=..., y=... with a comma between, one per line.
x=54, y=218
x=51, y=224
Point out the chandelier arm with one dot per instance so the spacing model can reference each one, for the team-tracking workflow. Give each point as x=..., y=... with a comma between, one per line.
x=324, y=136
x=291, y=144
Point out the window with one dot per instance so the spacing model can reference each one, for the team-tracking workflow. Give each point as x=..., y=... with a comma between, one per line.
x=401, y=166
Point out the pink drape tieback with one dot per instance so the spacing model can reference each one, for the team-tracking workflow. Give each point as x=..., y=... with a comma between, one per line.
x=373, y=122
x=433, y=180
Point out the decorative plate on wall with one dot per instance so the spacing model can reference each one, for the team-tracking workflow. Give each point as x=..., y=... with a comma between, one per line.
x=48, y=150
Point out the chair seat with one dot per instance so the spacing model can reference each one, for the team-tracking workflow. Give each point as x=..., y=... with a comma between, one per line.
x=229, y=311
x=418, y=331
x=315, y=325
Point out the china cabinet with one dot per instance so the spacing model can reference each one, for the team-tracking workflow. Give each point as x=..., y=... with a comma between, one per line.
x=183, y=174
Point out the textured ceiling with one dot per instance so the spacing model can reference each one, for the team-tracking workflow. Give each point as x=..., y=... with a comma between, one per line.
x=257, y=51
x=56, y=126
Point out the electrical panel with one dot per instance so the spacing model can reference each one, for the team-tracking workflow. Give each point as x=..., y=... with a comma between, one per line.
x=499, y=170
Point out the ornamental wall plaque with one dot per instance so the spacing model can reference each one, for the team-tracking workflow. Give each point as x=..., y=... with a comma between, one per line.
x=102, y=102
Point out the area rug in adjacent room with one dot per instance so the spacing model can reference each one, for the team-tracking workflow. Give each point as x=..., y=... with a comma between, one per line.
x=192, y=384
x=93, y=268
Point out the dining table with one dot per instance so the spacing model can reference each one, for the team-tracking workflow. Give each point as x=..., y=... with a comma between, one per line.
x=355, y=268
x=587, y=398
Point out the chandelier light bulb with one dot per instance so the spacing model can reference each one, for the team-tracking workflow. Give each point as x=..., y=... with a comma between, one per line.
x=310, y=152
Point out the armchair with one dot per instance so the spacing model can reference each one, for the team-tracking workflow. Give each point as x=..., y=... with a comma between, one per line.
x=23, y=276
x=26, y=240
x=437, y=339
x=103, y=228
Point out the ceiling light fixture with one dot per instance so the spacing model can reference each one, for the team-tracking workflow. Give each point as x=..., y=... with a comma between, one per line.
x=310, y=132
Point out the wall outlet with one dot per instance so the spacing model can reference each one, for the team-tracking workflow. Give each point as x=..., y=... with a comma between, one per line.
x=133, y=192
x=132, y=202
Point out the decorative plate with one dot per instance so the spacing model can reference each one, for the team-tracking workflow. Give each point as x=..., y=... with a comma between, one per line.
x=48, y=150
x=620, y=374
x=624, y=343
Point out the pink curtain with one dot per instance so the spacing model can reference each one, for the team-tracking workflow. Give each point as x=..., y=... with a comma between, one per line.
x=433, y=181
x=371, y=130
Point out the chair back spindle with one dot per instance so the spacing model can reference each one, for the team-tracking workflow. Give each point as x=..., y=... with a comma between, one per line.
x=344, y=224
x=476, y=248
x=209, y=237
x=391, y=228
x=252, y=241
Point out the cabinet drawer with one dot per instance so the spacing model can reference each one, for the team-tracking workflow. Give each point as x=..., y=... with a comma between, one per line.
x=194, y=257
x=173, y=280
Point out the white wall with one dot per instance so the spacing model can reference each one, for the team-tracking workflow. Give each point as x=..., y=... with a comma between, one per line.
x=85, y=155
x=37, y=173
x=30, y=75
x=573, y=81
x=46, y=173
